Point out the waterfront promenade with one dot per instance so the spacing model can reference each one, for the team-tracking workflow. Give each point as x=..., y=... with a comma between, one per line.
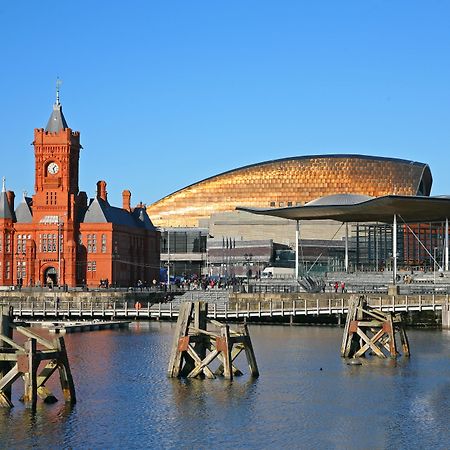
x=243, y=306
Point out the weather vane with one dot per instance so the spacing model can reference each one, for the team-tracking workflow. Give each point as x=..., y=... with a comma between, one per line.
x=58, y=85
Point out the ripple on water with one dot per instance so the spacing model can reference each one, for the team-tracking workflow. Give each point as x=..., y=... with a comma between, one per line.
x=126, y=401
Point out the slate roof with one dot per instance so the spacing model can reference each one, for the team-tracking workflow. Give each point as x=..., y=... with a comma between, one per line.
x=57, y=121
x=100, y=211
x=5, y=210
x=23, y=211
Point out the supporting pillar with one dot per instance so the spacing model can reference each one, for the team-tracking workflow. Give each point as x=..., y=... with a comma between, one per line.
x=446, y=244
x=446, y=315
x=346, y=246
x=5, y=330
x=394, y=250
x=297, y=239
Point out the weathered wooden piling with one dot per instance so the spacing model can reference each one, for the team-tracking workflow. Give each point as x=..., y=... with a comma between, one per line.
x=368, y=329
x=195, y=347
x=18, y=361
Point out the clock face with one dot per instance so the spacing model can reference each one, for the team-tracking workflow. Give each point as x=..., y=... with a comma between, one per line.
x=53, y=168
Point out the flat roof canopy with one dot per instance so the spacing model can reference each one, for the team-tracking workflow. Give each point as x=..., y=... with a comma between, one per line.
x=412, y=209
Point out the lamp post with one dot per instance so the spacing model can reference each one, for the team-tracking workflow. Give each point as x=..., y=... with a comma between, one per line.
x=115, y=271
x=168, y=259
x=434, y=264
x=248, y=258
x=60, y=224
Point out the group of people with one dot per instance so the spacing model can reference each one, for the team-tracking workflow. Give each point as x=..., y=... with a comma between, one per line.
x=337, y=285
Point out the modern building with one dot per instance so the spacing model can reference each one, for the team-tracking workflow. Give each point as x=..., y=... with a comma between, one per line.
x=59, y=237
x=292, y=182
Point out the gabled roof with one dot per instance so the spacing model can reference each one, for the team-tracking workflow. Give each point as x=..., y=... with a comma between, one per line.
x=23, y=211
x=100, y=211
x=57, y=121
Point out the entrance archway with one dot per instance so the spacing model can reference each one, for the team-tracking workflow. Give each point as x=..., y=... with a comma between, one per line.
x=51, y=276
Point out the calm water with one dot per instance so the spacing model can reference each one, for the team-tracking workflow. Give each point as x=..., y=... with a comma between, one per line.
x=126, y=401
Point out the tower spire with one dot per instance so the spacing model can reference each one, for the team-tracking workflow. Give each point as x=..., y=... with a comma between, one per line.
x=3, y=184
x=57, y=121
x=58, y=84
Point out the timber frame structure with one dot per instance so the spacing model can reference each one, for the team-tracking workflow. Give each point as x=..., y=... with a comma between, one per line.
x=370, y=330
x=17, y=361
x=194, y=347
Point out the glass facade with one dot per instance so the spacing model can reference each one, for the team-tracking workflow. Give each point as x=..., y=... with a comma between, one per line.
x=417, y=246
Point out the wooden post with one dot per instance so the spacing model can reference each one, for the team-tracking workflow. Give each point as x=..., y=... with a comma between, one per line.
x=226, y=353
x=181, y=331
x=251, y=359
x=65, y=374
x=192, y=341
x=5, y=330
x=30, y=376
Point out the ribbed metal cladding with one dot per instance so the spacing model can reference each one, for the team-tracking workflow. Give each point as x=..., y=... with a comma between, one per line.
x=291, y=182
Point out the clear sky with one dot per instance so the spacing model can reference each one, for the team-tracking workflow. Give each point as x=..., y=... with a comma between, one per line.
x=167, y=93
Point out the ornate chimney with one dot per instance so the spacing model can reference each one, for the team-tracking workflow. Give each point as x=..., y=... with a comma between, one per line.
x=101, y=190
x=126, y=200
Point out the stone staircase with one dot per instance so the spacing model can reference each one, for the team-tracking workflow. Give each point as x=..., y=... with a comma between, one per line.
x=217, y=296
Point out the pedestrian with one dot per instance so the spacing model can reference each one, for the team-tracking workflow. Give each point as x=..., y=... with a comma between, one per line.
x=336, y=286
x=342, y=287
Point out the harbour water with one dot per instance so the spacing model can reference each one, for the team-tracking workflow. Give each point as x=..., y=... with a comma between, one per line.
x=306, y=397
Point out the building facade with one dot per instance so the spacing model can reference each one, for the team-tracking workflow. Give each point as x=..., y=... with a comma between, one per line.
x=211, y=204
x=59, y=237
x=291, y=182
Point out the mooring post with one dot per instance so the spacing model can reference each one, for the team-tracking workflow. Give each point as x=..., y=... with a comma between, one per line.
x=65, y=374
x=226, y=353
x=446, y=314
x=5, y=330
x=30, y=376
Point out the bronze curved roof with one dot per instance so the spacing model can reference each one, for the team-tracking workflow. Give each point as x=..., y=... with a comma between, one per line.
x=291, y=182
x=412, y=209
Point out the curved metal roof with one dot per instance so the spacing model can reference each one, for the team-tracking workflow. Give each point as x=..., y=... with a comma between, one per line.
x=339, y=199
x=412, y=209
x=425, y=167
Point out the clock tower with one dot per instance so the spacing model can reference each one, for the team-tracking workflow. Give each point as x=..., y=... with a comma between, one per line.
x=57, y=153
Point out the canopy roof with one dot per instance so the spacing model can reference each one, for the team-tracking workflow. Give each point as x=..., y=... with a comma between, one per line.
x=412, y=209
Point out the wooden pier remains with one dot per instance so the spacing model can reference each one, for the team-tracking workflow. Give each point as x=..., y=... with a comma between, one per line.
x=17, y=361
x=195, y=347
x=370, y=330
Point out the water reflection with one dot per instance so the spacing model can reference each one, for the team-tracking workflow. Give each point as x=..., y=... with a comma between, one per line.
x=307, y=396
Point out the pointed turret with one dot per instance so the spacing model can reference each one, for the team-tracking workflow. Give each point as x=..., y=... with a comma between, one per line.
x=57, y=121
x=5, y=209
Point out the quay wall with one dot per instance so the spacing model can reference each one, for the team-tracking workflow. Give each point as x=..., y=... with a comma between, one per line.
x=422, y=318
x=130, y=297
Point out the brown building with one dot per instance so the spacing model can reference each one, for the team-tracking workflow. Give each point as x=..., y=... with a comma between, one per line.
x=59, y=236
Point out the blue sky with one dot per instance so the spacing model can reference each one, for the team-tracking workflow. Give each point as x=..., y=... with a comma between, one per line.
x=168, y=93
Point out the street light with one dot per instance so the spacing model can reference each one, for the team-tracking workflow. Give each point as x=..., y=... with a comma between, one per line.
x=60, y=224
x=168, y=259
x=248, y=258
x=434, y=265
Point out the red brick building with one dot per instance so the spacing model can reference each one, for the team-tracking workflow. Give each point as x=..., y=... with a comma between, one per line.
x=60, y=236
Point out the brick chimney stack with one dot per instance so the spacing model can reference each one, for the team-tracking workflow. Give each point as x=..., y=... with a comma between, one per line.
x=126, y=200
x=10, y=197
x=101, y=190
